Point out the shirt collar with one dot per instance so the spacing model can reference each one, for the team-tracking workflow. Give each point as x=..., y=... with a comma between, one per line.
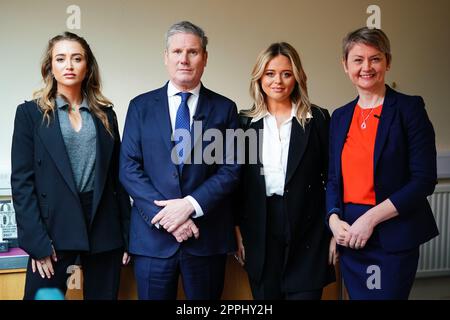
x=172, y=90
x=293, y=114
x=61, y=103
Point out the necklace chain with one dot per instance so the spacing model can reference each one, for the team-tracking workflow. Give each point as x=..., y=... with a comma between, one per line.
x=363, y=123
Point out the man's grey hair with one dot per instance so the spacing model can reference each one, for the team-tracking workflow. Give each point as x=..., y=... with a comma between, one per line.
x=187, y=27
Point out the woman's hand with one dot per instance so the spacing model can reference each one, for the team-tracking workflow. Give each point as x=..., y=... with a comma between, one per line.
x=126, y=258
x=44, y=266
x=360, y=231
x=339, y=229
x=333, y=254
x=240, y=253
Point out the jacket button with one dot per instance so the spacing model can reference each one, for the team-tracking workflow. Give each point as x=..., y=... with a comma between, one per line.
x=307, y=246
x=43, y=195
x=175, y=175
x=115, y=193
x=39, y=162
x=287, y=190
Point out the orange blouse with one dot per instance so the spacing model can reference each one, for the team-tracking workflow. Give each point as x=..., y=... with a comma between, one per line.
x=358, y=156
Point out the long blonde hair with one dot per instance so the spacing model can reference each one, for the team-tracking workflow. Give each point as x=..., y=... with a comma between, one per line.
x=91, y=86
x=299, y=95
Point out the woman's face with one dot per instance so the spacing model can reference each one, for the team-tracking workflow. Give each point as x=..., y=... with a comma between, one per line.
x=366, y=67
x=69, y=65
x=278, y=80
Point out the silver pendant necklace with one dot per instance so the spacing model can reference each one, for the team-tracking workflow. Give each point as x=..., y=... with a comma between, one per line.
x=363, y=124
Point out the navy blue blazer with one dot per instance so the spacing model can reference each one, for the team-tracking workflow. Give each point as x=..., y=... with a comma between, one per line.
x=404, y=168
x=148, y=173
x=48, y=209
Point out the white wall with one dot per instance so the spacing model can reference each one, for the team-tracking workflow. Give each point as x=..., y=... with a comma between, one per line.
x=127, y=38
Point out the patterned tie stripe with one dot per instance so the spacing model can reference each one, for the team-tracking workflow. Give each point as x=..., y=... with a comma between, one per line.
x=182, y=121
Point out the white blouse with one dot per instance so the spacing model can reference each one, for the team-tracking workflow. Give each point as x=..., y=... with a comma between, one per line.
x=275, y=151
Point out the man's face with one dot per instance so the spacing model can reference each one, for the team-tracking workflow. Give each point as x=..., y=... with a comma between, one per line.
x=185, y=60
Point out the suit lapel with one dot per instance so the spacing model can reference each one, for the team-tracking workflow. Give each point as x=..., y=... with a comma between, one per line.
x=341, y=134
x=162, y=117
x=257, y=126
x=53, y=141
x=200, y=117
x=297, y=147
x=104, y=148
x=386, y=117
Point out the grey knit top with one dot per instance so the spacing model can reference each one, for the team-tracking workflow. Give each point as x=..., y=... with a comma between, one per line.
x=81, y=145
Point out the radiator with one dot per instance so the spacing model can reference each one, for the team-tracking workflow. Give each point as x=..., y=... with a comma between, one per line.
x=435, y=255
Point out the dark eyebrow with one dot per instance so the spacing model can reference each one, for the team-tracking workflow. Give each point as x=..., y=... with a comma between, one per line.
x=375, y=55
x=63, y=54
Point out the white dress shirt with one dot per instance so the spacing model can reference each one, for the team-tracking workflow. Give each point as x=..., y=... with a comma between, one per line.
x=275, y=150
x=174, y=104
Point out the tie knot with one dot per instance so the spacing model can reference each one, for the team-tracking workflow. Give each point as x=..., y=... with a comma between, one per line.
x=184, y=96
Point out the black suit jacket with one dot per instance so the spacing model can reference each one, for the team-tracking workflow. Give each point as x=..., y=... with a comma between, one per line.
x=48, y=209
x=306, y=267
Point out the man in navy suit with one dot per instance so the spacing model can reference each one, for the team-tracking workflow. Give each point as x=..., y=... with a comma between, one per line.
x=182, y=220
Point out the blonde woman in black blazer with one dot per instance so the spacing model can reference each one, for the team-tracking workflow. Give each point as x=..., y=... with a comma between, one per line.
x=65, y=157
x=282, y=240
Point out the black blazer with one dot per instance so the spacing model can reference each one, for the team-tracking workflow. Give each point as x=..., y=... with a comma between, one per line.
x=48, y=209
x=306, y=267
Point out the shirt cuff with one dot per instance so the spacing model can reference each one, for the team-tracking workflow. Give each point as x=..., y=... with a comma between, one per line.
x=331, y=212
x=198, y=209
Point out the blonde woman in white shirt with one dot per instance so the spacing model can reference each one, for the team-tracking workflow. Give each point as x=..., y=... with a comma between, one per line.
x=282, y=239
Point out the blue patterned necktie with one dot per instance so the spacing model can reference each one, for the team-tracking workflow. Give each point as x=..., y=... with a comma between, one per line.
x=182, y=121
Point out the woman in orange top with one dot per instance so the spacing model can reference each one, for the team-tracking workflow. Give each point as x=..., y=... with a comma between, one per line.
x=382, y=166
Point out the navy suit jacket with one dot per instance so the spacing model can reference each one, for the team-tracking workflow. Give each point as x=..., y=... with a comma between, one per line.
x=148, y=173
x=48, y=209
x=404, y=168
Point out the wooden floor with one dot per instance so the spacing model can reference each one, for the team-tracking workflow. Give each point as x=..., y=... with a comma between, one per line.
x=236, y=285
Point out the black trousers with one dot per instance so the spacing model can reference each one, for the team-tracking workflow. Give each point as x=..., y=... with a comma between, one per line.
x=101, y=271
x=270, y=287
